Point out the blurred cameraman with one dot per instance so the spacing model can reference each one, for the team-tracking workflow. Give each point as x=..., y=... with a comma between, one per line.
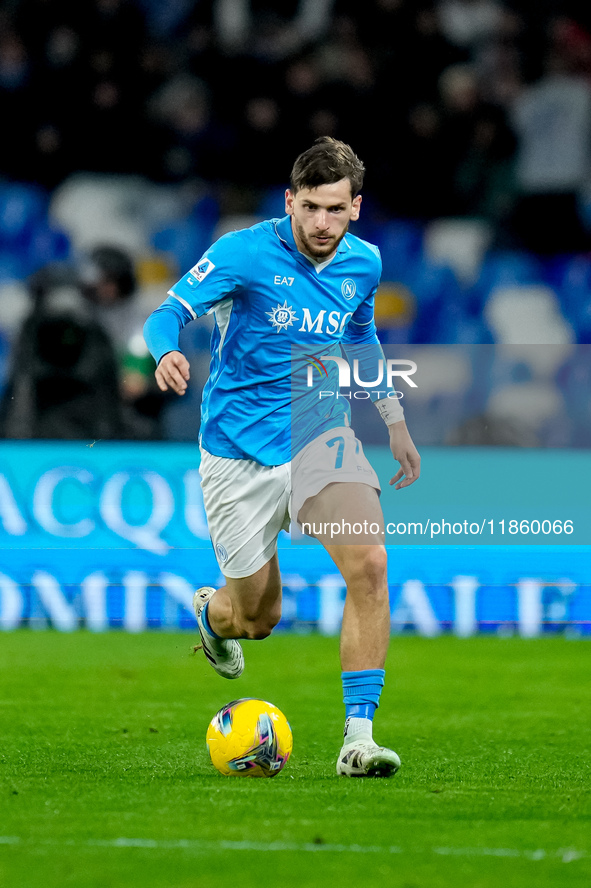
x=108, y=282
x=74, y=374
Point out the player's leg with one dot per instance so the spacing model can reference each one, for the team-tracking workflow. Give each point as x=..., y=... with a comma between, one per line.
x=247, y=505
x=248, y=607
x=365, y=630
x=362, y=561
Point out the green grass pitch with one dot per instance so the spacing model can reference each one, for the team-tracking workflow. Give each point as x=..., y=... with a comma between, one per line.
x=105, y=779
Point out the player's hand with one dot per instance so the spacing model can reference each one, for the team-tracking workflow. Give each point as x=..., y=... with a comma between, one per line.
x=407, y=455
x=173, y=372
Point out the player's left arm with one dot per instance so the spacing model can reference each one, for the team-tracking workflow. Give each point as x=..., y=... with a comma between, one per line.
x=404, y=452
x=361, y=341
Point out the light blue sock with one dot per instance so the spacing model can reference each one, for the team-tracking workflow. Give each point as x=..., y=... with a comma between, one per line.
x=207, y=624
x=361, y=696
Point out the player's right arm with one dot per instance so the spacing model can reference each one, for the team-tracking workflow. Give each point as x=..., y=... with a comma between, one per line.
x=173, y=372
x=220, y=274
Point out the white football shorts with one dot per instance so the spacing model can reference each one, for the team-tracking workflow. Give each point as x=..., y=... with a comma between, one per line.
x=334, y=456
x=248, y=505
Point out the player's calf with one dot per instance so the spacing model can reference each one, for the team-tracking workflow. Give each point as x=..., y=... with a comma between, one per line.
x=224, y=654
x=257, y=623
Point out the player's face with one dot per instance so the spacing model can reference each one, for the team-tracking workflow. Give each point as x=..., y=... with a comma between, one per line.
x=321, y=216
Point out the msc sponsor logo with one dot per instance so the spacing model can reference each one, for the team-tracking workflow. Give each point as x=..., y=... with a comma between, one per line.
x=282, y=316
x=332, y=322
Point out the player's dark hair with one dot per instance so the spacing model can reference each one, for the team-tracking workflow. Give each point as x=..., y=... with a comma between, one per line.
x=326, y=162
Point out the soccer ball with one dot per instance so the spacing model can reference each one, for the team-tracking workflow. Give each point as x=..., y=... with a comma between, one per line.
x=249, y=738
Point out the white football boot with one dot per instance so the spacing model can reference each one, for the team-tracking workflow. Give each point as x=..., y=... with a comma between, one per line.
x=224, y=654
x=361, y=756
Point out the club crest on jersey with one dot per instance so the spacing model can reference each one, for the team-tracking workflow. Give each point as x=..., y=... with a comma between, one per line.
x=282, y=316
x=348, y=288
x=201, y=270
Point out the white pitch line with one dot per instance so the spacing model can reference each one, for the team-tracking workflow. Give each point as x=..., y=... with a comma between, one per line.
x=226, y=845
x=565, y=855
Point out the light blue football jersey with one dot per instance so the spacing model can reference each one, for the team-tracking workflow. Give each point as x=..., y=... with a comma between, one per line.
x=271, y=308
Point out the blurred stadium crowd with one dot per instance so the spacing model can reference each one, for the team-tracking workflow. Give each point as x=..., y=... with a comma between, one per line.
x=136, y=131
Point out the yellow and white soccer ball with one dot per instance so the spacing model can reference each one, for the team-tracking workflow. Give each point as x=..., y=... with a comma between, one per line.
x=249, y=738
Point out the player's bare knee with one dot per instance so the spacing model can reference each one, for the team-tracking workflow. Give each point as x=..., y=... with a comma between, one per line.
x=368, y=567
x=375, y=565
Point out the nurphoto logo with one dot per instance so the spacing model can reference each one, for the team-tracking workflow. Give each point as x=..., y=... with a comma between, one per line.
x=387, y=370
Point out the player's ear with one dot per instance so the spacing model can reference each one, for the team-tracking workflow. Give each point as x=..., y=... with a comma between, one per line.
x=289, y=198
x=355, y=208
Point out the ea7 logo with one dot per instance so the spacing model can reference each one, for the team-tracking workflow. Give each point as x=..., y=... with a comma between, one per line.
x=278, y=280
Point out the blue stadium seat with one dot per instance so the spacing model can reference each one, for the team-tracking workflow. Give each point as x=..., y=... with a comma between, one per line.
x=22, y=207
x=554, y=269
x=187, y=239
x=272, y=204
x=27, y=241
x=47, y=244
x=572, y=277
x=443, y=313
x=504, y=268
x=394, y=335
x=436, y=290
x=454, y=323
x=185, y=242
x=13, y=266
x=400, y=243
